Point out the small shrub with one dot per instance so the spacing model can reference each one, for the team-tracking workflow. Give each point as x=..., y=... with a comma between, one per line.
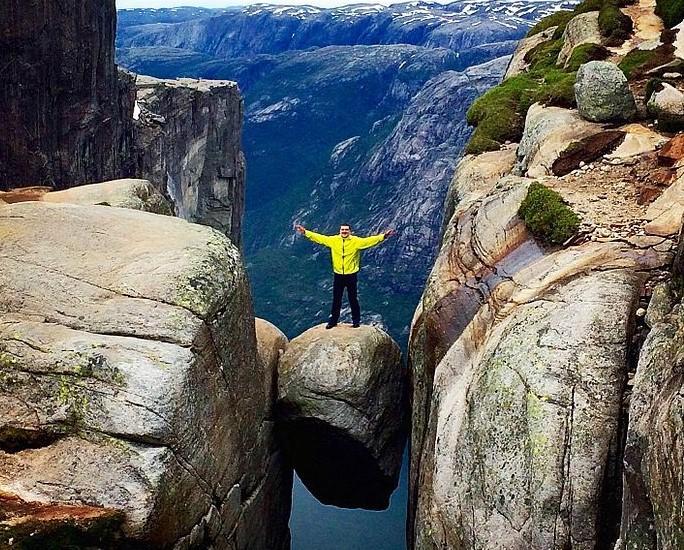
x=670, y=11
x=583, y=54
x=547, y=216
x=614, y=25
x=558, y=19
x=480, y=143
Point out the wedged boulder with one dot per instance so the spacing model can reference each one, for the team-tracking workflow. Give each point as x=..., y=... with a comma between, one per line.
x=581, y=29
x=602, y=93
x=135, y=194
x=664, y=215
x=129, y=379
x=518, y=64
x=652, y=511
x=271, y=344
x=341, y=413
x=667, y=105
x=547, y=134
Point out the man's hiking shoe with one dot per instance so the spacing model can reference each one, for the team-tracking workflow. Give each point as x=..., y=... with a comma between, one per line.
x=330, y=325
x=356, y=325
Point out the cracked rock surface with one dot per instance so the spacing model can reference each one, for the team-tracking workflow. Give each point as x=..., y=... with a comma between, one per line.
x=653, y=511
x=341, y=413
x=128, y=371
x=516, y=391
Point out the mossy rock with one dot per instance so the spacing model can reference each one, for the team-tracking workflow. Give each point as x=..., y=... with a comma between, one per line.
x=637, y=62
x=544, y=55
x=614, y=25
x=558, y=19
x=670, y=11
x=547, y=216
x=584, y=53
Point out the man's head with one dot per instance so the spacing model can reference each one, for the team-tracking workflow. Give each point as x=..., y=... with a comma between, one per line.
x=345, y=230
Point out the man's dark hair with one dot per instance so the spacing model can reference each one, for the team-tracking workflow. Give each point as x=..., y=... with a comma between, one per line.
x=345, y=224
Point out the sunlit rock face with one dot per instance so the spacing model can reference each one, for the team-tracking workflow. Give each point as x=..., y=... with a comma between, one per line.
x=130, y=381
x=341, y=414
x=67, y=115
x=188, y=140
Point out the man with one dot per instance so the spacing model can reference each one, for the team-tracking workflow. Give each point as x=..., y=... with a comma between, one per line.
x=345, y=250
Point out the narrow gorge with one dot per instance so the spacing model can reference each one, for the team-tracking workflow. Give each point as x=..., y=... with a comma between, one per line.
x=164, y=379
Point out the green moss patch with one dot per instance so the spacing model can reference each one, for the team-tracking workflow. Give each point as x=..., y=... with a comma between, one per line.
x=499, y=115
x=670, y=11
x=614, y=25
x=584, y=53
x=547, y=216
x=558, y=19
x=637, y=62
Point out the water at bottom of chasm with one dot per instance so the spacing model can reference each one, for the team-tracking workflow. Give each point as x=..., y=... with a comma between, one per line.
x=316, y=526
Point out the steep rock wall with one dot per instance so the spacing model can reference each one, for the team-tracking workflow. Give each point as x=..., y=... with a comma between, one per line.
x=189, y=145
x=67, y=116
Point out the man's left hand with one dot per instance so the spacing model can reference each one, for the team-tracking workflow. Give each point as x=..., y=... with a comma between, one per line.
x=389, y=232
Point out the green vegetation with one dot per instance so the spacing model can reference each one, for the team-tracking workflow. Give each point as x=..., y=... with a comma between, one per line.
x=612, y=21
x=499, y=115
x=547, y=216
x=638, y=62
x=614, y=25
x=584, y=53
x=558, y=19
x=670, y=11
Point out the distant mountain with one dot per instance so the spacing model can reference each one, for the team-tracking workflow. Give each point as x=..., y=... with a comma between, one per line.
x=353, y=114
x=264, y=28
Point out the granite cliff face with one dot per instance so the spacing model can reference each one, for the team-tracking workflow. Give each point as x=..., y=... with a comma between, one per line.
x=66, y=113
x=188, y=139
x=140, y=395
x=534, y=360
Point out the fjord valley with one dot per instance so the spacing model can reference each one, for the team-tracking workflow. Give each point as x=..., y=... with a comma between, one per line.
x=352, y=114
x=531, y=156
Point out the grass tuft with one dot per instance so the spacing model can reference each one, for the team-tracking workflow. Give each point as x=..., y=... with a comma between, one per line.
x=547, y=216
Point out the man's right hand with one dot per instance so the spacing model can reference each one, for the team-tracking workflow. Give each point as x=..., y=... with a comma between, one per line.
x=299, y=229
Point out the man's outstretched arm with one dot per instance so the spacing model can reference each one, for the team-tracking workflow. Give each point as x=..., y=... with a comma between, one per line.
x=315, y=237
x=368, y=242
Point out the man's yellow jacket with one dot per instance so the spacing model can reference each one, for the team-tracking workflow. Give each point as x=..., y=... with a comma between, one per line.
x=345, y=253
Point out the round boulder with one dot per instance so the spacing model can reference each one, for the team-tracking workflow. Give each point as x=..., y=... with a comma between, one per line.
x=341, y=413
x=602, y=93
x=667, y=105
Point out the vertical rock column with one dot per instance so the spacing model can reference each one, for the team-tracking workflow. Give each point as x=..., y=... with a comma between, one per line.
x=189, y=147
x=66, y=115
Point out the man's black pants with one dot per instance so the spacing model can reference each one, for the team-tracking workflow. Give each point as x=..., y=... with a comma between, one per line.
x=341, y=282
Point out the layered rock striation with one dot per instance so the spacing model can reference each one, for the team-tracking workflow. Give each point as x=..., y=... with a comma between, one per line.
x=341, y=413
x=130, y=382
x=524, y=353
